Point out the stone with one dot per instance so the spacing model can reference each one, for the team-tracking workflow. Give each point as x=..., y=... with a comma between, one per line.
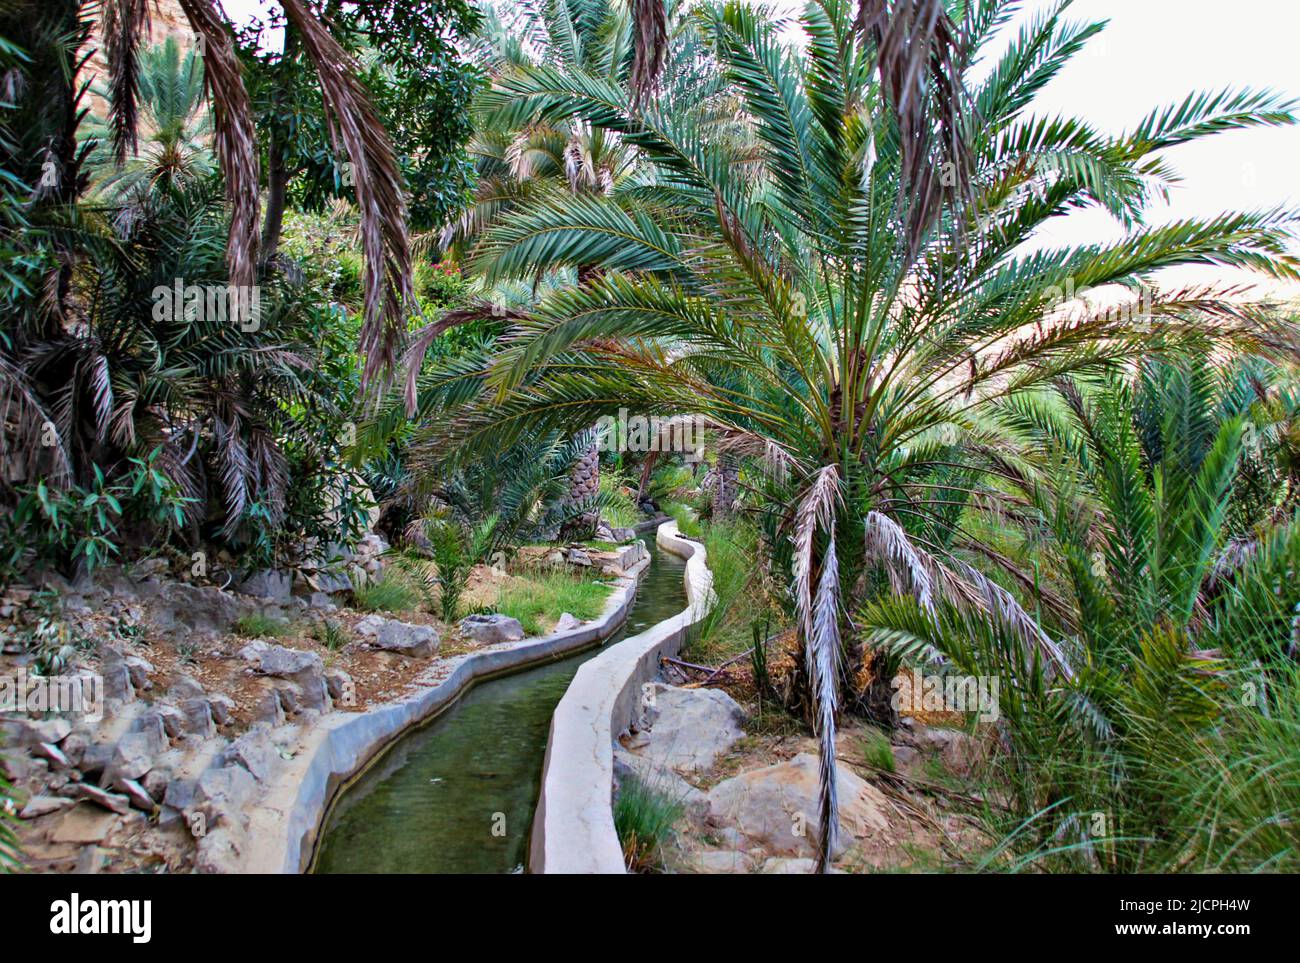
x=155, y=782
x=414, y=641
x=688, y=729
x=330, y=583
x=198, y=717
x=623, y=534
x=51, y=752
x=321, y=602
x=718, y=861
x=29, y=732
x=137, y=794
x=90, y=861
x=223, y=792
x=39, y=806
x=492, y=628
x=338, y=683
x=132, y=758
x=139, y=670
x=223, y=708
x=180, y=794
x=370, y=625
x=100, y=797
x=149, y=568
x=630, y=765
x=218, y=851
x=269, y=709
x=169, y=719
x=186, y=687
x=576, y=556
x=778, y=866
x=268, y=584
x=776, y=807
x=82, y=824
x=205, y=609
x=253, y=651
x=254, y=752
x=566, y=622
x=304, y=669
x=117, y=681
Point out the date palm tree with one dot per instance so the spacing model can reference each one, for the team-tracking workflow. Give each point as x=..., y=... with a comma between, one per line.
x=846, y=311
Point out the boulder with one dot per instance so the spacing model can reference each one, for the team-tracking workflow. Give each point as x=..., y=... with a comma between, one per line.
x=111, y=801
x=776, y=807
x=49, y=751
x=269, y=708
x=137, y=794
x=304, y=669
x=254, y=752
x=623, y=534
x=566, y=622
x=330, y=583
x=223, y=793
x=219, y=850
x=268, y=584
x=39, y=806
x=132, y=757
x=576, y=556
x=664, y=781
x=779, y=866
x=338, y=683
x=198, y=717
x=30, y=732
x=205, y=609
x=688, y=729
x=186, y=687
x=139, y=670
x=222, y=707
x=492, y=628
x=166, y=717
x=149, y=568
x=415, y=641
x=253, y=651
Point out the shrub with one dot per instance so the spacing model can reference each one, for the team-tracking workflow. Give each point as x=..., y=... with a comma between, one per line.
x=259, y=625
x=391, y=592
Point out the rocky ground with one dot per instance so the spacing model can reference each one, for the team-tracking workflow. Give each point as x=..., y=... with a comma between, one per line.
x=199, y=716
x=748, y=786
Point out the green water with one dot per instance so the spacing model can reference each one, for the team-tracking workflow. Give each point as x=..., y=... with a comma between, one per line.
x=458, y=795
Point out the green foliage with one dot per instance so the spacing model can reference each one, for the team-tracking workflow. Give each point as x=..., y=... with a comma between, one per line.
x=391, y=592
x=456, y=548
x=539, y=600
x=617, y=506
x=10, y=853
x=877, y=751
x=688, y=522
x=43, y=632
x=331, y=633
x=644, y=817
x=259, y=625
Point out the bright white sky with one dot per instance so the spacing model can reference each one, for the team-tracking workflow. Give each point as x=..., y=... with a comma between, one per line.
x=1154, y=53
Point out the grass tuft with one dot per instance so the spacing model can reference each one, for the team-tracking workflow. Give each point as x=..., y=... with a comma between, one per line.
x=538, y=602
x=644, y=817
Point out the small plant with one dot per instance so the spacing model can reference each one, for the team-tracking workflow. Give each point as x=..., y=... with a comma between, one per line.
x=331, y=634
x=455, y=550
x=877, y=752
x=758, y=660
x=259, y=625
x=48, y=636
x=10, y=855
x=644, y=817
x=391, y=592
x=188, y=652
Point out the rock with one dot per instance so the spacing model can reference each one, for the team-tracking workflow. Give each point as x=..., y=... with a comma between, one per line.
x=167, y=718
x=338, y=683
x=185, y=687
x=253, y=651
x=149, y=567
x=203, y=609
x=604, y=533
x=623, y=534
x=198, y=717
x=90, y=861
x=566, y=622
x=39, y=806
x=137, y=794
x=778, y=866
x=665, y=781
x=269, y=709
x=330, y=583
x=492, y=628
x=51, y=752
x=29, y=732
x=254, y=752
x=223, y=792
x=218, y=851
x=688, y=729
x=139, y=670
x=82, y=824
x=268, y=584
x=111, y=801
x=180, y=794
x=155, y=782
x=718, y=861
x=117, y=680
x=576, y=556
x=223, y=708
x=321, y=602
x=132, y=758
x=776, y=807
x=370, y=625
x=304, y=669
x=415, y=641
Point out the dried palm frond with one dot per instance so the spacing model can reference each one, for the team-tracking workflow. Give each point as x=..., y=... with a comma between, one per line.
x=357, y=134
x=124, y=23
x=651, y=38
x=819, y=627
x=235, y=136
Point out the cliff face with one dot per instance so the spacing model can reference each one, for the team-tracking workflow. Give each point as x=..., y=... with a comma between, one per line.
x=166, y=18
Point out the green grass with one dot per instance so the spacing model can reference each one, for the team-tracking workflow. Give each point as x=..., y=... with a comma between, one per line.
x=259, y=625
x=331, y=634
x=877, y=752
x=644, y=818
x=616, y=506
x=687, y=523
x=538, y=602
x=389, y=593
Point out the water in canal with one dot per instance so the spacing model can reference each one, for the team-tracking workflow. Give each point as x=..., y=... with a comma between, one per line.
x=458, y=795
